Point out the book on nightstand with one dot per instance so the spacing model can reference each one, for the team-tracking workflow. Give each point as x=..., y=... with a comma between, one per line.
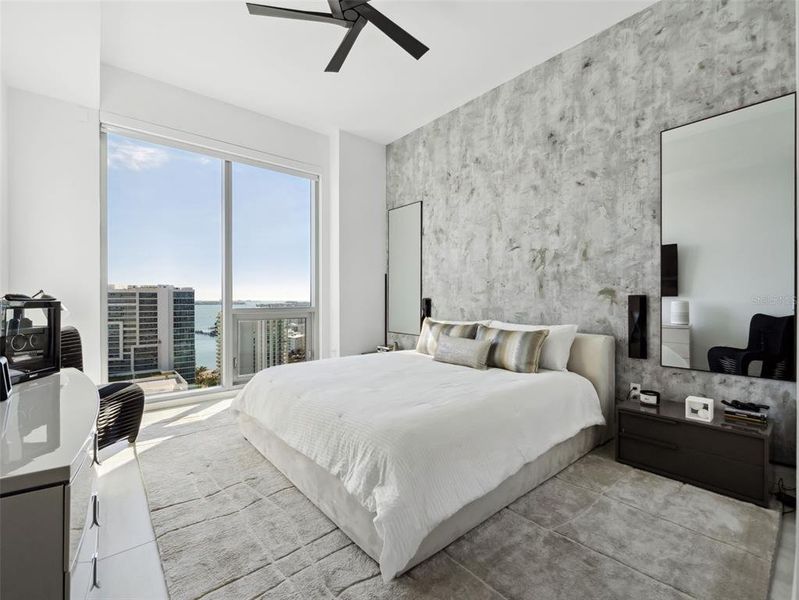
x=745, y=416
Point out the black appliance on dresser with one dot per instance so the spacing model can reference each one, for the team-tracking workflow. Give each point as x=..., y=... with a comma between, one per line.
x=30, y=336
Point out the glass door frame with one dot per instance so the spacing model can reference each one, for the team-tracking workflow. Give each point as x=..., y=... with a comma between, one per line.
x=230, y=315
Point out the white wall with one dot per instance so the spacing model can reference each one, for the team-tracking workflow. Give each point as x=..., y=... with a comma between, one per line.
x=128, y=98
x=360, y=177
x=54, y=209
x=3, y=163
x=52, y=51
x=3, y=186
x=333, y=243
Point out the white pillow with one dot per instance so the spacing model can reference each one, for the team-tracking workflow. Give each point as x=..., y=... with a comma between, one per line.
x=557, y=346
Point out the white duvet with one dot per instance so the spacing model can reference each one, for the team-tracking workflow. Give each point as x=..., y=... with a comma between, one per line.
x=415, y=440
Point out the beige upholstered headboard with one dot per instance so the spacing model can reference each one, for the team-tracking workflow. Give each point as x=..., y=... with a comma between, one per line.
x=594, y=357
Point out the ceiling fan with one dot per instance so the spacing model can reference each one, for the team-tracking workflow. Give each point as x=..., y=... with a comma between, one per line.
x=352, y=14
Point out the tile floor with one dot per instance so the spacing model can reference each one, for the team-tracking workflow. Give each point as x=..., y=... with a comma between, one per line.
x=129, y=566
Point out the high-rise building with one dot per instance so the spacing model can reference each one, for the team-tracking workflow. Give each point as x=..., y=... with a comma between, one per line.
x=150, y=330
x=183, y=351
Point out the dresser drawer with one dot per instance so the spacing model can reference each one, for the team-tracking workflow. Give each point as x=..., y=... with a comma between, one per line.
x=681, y=350
x=675, y=335
x=716, y=472
x=80, y=506
x=696, y=438
x=662, y=430
x=83, y=575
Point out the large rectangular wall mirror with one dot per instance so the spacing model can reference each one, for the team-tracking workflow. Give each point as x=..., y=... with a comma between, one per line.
x=728, y=242
x=405, y=269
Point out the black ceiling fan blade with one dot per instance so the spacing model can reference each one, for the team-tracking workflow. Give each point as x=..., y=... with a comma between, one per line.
x=346, y=45
x=336, y=9
x=263, y=10
x=408, y=43
x=348, y=4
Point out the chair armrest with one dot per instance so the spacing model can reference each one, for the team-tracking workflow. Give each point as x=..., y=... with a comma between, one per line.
x=727, y=350
x=750, y=356
x=718, y=358
x=121, y=409
x=109, y=389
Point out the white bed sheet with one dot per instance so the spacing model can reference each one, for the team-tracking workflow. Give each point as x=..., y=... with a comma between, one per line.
x=414, y=440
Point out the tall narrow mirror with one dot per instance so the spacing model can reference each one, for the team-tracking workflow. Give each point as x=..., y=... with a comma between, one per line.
x=405, y=268
x=728, y=242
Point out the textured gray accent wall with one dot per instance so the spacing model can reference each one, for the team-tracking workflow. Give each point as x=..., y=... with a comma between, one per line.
x=542, y=197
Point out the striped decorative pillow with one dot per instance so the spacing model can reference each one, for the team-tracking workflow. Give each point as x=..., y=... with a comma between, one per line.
x=518, y=351
x=462, y=351
x=428, y=338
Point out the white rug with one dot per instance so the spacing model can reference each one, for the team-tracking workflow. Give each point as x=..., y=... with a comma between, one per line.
x=230, y=525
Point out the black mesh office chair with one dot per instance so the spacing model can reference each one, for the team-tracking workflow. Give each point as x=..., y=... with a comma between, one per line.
x=121, y=404
x=771, y=341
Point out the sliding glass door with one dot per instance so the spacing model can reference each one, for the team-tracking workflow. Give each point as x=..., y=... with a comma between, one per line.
x=210, y=266
x=272, y=235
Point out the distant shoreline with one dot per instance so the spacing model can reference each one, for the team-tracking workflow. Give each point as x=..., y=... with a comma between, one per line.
x=255, y=302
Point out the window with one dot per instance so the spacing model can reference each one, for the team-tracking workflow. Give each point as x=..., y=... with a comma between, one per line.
x=271, y=261
x=271, y=236
x=166, y=240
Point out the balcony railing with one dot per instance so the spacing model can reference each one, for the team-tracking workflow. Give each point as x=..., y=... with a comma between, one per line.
x=265, y=338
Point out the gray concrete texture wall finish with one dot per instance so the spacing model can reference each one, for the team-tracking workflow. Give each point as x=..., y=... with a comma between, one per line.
x=542, y=196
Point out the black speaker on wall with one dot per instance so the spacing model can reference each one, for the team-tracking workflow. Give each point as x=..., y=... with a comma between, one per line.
x=636, y=326
x=427, y=308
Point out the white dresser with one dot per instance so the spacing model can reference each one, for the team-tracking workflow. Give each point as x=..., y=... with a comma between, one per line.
x=49, y=508
x=676, y=345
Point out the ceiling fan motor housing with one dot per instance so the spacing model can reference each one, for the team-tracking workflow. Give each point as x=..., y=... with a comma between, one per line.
x=352, y=14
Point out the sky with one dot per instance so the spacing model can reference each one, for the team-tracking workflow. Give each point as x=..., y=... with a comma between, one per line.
x=165, y=224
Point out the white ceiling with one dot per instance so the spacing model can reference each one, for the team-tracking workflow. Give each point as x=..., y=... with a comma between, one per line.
x=276, y=66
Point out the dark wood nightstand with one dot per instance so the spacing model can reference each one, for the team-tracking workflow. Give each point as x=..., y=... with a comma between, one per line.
x=723, y=457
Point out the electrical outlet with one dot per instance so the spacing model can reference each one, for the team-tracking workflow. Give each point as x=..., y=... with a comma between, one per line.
x=635, y=391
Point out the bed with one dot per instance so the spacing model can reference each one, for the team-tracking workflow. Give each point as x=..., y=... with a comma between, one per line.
x=405, y=454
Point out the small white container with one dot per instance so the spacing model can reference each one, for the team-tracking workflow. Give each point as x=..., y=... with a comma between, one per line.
x=699, y=409
x=680, y=312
